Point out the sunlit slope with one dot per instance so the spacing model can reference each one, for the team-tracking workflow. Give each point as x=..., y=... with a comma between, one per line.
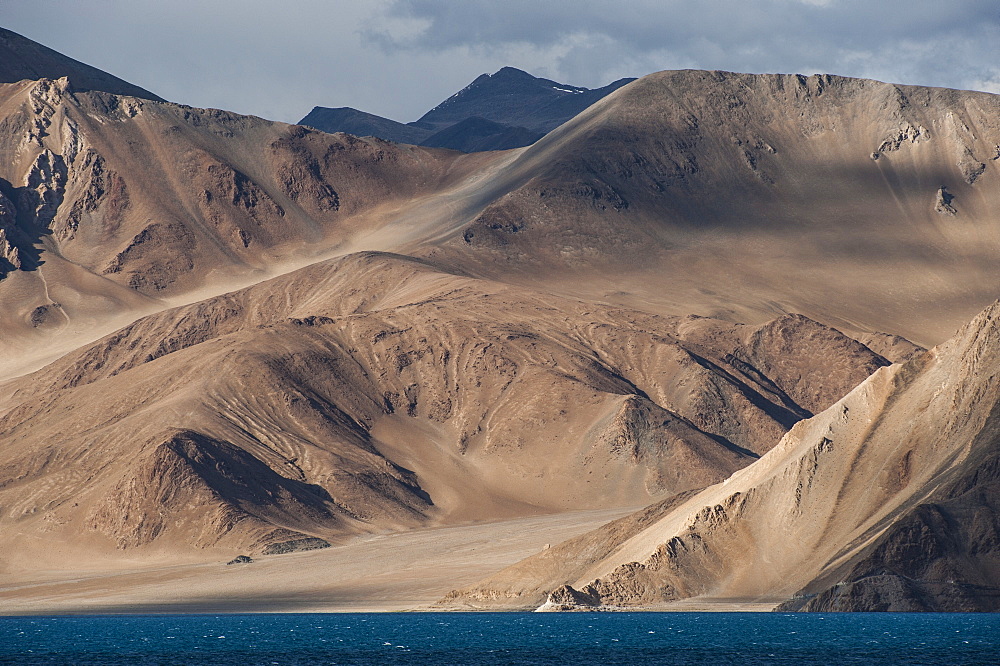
x=109, y=204
x=861, y=203
x=375, y=391
x=728, y=195
x=885, y=501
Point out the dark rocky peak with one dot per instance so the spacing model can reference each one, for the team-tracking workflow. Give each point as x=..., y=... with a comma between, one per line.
x=22, y=58
x=507, y=109
x=359, y=123
x=508, y=96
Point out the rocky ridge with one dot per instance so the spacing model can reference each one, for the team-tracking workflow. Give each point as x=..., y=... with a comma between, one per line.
x=500, y=111
x=885, y=501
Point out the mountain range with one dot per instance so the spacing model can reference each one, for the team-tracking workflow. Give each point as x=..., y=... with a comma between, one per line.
x=508, y=109
x=727, y=301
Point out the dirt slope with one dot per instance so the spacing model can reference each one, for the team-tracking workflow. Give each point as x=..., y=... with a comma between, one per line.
x=885, y=501
x=741, y=197
x=376, y=392
x=254, y=333
x=110, y=204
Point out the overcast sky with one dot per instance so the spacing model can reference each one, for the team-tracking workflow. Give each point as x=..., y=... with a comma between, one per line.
x=399, y=58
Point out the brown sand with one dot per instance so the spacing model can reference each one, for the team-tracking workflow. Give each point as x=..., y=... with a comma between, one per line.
x=385, y=572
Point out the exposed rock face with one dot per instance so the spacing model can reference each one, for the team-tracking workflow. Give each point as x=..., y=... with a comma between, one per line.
x=944, y=202
x=943, y=556
x=545, y=577
x=296, y=545
x=10, y=237
x=565, y=598
x=885, y=501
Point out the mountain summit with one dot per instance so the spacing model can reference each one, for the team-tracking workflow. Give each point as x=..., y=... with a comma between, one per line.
x=23, y=59
x=514, y=97
x=507, y=109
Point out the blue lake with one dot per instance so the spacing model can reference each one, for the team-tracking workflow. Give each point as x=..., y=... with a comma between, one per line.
x=503, y=638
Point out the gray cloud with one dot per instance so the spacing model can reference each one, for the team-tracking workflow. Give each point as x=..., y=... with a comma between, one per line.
x=907, y=41
x=398, y=58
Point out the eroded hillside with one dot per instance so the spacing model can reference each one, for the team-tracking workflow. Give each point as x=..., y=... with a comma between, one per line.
x=376, y=392
x=222, y=333
x=885, y=501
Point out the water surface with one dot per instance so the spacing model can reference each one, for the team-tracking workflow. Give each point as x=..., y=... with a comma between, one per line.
x=503, y=638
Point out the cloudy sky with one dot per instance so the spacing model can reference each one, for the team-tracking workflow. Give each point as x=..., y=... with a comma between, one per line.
x=398, y=58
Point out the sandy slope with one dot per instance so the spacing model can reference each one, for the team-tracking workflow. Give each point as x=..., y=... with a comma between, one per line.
x=113, y=207
x=684, y=192
x=739, y=195
x=380, y=572
x=374, y=392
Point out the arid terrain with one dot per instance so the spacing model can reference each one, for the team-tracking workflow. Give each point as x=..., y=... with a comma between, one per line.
x=709, y=294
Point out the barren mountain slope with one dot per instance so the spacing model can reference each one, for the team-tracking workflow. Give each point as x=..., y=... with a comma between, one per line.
x=885, y=501
x=534, y=352
x=736, y=196
x=373, y=392
x=110, y=203
x=861, y=203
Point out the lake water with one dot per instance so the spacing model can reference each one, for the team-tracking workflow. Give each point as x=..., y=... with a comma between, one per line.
x=503, y=638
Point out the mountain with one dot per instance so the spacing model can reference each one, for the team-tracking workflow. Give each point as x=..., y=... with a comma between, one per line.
x=376, y=392
x=508, y=109
x=22, y=59
x=109, y=203
x=886, y=501
x=707, y=191
x=514, y=97
x=225, y=335
x=478, y=134
x=360, y=123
